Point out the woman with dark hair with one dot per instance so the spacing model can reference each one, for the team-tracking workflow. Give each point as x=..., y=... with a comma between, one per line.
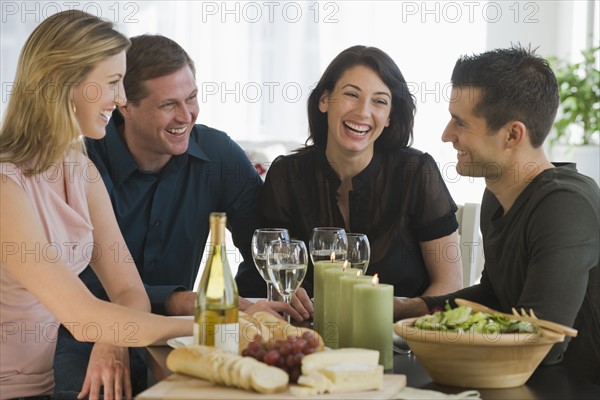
x=357, y=171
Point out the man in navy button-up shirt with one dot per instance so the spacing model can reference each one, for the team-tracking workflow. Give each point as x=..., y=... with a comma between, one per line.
x=164, y=214
x=165, y=175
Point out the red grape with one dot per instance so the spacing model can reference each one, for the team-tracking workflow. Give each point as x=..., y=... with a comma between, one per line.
x=285, y=354
x=271, y=357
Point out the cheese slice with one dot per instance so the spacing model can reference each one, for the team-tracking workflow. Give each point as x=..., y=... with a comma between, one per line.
x=303, y=391
x=317, y=381
x=322, y=359
x=351, y=377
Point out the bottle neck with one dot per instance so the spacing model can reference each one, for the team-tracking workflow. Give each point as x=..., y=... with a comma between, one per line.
x=217, y=229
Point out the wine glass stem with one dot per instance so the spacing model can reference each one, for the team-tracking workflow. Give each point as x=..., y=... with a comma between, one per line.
x=287, y=299
x=271, y=292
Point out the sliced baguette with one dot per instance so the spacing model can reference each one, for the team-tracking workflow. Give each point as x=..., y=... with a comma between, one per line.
x=269, y=379
x=191, y=360
x=221, y=367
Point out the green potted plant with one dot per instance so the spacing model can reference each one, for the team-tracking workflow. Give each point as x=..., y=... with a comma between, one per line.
x=576, y=133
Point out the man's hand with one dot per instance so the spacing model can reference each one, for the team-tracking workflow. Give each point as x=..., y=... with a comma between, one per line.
x=300, y=309
x=275, y=308
x=302, y=303
x=109, y=368
x=408, y=308
x=181, y=303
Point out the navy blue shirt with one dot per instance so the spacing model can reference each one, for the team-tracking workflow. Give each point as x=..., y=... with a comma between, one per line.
x=164, y=217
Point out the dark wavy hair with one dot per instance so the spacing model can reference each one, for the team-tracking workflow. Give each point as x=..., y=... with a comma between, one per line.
x=399, y=133
x=516, y=84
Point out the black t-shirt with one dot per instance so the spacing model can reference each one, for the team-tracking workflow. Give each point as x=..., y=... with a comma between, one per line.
x=543, y=255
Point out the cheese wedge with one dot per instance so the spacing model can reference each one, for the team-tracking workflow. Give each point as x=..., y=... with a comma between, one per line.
x=353, y=377
x=318, y=361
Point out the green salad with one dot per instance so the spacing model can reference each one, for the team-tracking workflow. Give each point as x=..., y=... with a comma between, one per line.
x=463, y=319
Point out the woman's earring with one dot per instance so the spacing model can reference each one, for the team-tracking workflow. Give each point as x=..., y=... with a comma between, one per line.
x=73, y=106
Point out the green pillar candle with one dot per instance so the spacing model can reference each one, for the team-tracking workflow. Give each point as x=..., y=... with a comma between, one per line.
x=345, y=311
x=332, y=293
x=372, y=323
x=319, y=292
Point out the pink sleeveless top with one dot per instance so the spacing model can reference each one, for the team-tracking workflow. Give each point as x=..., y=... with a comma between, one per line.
x=28, y=328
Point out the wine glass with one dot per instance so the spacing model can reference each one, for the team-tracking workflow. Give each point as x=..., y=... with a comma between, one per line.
x=325, y=243
x=359, y=251
x=327, y=240
x=260, y=240
x=287, y=261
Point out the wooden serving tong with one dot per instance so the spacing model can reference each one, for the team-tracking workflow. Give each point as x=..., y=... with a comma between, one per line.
x=553, y=326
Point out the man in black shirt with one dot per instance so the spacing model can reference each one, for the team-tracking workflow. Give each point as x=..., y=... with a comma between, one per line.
x=539, y=221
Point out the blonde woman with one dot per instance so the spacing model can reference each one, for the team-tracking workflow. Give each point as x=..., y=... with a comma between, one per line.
x=56, y=217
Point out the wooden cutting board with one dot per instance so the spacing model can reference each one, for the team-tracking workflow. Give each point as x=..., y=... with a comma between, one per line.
x=183, y=387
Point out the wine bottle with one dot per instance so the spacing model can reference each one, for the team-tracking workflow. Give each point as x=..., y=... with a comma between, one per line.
x=216, y=321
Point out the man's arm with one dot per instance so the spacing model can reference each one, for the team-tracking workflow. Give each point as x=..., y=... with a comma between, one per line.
x=240, y=201
x=415, y=307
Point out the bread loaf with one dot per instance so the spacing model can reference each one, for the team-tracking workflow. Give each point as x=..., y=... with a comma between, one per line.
x=250, y=327
x=278, y=329
x=191, y=360
x=221, y=367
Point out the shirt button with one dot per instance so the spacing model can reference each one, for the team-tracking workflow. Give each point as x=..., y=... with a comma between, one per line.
x=157, y=222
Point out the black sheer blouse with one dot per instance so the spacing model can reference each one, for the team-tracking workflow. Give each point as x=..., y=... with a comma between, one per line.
x=398, y=200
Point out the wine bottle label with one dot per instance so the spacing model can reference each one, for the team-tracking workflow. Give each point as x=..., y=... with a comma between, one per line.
x=227, y=337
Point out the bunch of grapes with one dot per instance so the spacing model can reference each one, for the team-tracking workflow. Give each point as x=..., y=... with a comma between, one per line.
x=285, y=354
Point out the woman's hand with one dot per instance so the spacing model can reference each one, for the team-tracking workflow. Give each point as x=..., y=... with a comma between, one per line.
x=109, y=368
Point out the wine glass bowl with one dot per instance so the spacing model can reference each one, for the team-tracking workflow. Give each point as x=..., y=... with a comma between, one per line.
x=359, y=251
x=260, y=241
x=326, y=241
x=287, y=261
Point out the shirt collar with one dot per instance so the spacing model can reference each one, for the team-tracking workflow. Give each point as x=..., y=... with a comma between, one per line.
x=117, y=151
x=363, y=178
x=194, y=148
x=367, y=175
x=120, y=156
x=566, y=165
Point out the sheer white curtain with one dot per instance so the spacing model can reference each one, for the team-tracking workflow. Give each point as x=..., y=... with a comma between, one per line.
x=258, y=60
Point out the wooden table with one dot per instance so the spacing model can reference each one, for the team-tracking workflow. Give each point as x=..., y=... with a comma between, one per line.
x=548, y=382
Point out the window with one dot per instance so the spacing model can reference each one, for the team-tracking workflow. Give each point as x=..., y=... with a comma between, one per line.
x=258, y=60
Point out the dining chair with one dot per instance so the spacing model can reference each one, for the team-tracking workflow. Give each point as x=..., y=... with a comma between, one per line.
x=471, y=243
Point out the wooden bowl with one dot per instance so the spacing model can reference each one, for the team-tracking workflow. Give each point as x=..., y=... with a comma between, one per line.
x=475, y=360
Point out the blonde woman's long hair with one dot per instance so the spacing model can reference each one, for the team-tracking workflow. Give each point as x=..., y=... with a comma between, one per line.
x=40, y=126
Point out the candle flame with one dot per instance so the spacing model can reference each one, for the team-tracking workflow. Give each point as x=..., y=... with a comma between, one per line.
x=358, y=273
x=375, y=280
x=332, y=257
x=345, y=265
